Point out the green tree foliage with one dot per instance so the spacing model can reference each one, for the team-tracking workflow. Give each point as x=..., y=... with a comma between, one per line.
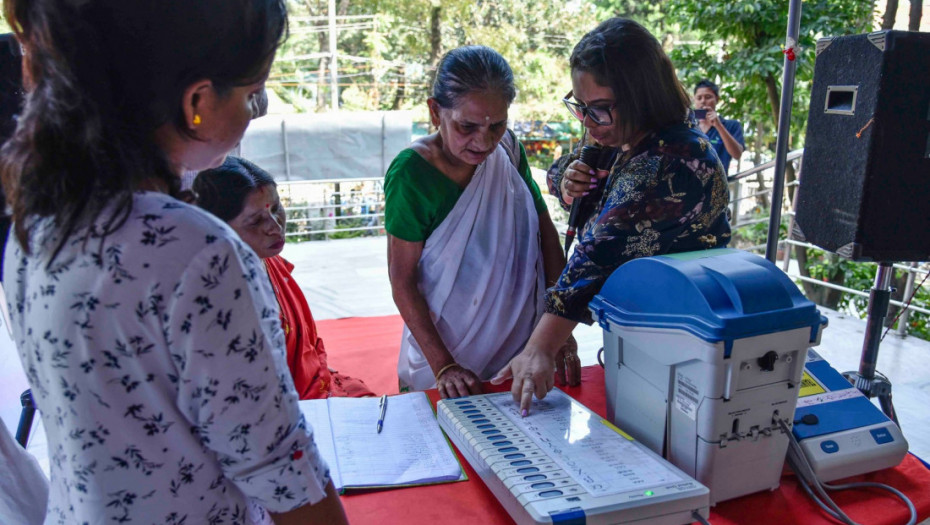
x=652, y=14
x=386, y=56
x=740, y=47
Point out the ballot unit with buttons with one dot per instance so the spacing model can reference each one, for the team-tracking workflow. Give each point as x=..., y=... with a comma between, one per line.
x=565, y=464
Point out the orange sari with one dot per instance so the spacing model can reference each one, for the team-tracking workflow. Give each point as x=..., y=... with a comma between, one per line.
x=306, y=355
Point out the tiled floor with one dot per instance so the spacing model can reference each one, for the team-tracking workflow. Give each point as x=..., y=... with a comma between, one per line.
x=348, y=278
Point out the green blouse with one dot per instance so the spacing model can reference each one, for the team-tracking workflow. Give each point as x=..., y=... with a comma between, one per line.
x=418, y=197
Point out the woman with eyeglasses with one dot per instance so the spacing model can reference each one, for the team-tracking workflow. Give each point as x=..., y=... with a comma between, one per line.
x=471, y=247
x=665, y=192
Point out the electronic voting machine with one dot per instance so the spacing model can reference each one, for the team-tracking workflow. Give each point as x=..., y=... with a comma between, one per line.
x=565, y=464
x=840, y=431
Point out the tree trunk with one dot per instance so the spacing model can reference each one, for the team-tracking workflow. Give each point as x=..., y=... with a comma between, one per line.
x=323, y=44
x=762, y=199
x=913, y=21
x=321, y=83
x=435, y=38
x=399, y=91
x=774, y=96
x=435, y=47
x=898, y=284
x=771, y=89
x=322, y=102
x=890, y=10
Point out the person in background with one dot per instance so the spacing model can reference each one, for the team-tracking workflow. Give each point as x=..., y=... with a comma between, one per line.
x=148, y=331
x=246, y=197
x=665, y=193
x=725, y=135
x=471, y=246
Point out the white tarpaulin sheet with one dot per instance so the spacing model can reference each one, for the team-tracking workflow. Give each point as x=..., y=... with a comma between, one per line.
x=327, y=146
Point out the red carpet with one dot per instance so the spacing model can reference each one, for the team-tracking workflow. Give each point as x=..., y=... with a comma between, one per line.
x=366, y=348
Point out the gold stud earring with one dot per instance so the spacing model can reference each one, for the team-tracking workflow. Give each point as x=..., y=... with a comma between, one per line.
x=197, y=120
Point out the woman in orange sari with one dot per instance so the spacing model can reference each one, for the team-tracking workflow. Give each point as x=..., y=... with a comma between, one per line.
x=246, y=197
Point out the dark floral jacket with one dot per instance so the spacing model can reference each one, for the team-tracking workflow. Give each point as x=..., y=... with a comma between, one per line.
x=669, y=194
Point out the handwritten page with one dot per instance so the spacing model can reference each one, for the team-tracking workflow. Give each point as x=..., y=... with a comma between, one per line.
x=592, y=452
x=410, y=449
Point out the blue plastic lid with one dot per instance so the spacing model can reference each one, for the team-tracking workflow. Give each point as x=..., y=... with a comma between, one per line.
x=717, y=295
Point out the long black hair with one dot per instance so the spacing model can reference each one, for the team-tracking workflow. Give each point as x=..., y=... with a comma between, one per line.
x=472, y=68
x=624, y=56
x=222, y=191
x=103, y=76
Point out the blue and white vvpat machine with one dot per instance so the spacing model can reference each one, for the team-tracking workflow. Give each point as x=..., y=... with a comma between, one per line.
x=703, y=355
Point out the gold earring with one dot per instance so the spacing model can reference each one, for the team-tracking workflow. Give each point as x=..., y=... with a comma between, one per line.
x=197, y=120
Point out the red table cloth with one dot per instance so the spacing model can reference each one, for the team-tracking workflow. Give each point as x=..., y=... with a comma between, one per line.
x=367, y=348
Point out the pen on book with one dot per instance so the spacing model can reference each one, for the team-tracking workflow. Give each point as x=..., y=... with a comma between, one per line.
x=383, y=405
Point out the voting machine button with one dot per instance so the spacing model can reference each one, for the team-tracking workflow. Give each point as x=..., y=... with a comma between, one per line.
x=881, y=435
x=534, y=467
x=829, y=446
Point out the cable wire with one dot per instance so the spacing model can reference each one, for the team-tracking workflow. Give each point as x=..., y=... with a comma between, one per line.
x=904, y=309
x=799, y=462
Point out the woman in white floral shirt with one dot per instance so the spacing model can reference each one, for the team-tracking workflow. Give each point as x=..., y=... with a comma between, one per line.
x=148, y=331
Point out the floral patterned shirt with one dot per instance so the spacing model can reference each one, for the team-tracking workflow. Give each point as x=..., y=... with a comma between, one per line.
x=157, y=362
x=667, y=195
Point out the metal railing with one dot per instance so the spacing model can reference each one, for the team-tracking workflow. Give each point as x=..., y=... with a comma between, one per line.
x=320, y=210
x=326, y=209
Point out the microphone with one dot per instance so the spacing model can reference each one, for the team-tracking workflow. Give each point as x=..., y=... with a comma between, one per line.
x=590, y=156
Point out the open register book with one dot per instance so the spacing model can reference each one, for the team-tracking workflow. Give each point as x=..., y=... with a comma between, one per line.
x=410, y=450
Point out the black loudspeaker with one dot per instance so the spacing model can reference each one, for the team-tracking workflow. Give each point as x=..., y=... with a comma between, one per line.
x=865, y=176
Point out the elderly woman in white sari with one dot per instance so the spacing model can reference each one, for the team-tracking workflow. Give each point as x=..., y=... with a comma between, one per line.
x=471, y=247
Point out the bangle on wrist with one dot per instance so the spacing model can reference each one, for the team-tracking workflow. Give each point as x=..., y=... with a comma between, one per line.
x=444, y=369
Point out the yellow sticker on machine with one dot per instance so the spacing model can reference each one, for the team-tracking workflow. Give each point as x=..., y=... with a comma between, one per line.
x=809, y=386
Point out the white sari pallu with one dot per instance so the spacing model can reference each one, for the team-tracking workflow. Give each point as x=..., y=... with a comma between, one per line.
x=481, y=273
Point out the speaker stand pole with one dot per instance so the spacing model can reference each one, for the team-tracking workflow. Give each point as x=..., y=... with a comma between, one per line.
x=866, y=379
x=784, y=124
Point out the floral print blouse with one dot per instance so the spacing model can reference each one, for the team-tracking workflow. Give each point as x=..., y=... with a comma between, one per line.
x=156, y=360
x=669, y=194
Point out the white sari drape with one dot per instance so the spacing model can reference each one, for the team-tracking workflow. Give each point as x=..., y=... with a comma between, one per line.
x=481, y=273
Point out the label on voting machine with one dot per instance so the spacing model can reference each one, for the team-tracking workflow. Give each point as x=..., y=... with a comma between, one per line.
x=409, y=450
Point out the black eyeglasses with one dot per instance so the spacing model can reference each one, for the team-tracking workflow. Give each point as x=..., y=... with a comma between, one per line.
x=600, y=115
